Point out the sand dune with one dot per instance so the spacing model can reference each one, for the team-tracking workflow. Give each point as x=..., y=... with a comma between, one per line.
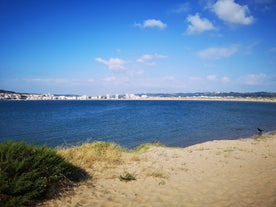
x=217, y=173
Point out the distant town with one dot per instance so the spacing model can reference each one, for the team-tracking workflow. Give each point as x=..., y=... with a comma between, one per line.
x=267, y=96
x=9, y=95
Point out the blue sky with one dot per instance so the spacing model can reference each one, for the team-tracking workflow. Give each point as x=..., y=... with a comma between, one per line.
x=107, y=47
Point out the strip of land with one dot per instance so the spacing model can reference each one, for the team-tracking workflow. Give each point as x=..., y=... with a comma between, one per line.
x=216, y=173
x=209, y=96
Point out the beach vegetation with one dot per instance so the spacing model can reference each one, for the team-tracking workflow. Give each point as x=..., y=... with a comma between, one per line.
x=158, y=174
x=185, y=169
x=229, y=149
x=127, y=176
x=135, y=158
x=30, y=173
x=89, y=154
x=145, y=147
x=202, y=149
x=162, y=182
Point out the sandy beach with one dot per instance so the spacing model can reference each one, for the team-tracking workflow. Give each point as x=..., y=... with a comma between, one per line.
x=216, y=173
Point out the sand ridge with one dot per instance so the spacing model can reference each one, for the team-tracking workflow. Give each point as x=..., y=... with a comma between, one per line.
x=216, y=173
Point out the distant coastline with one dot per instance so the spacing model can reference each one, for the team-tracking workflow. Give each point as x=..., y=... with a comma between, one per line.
x=203, y=96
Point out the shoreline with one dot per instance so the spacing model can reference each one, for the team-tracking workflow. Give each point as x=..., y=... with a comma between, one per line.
x=215, y=173
x=268, y=100
x=203, y=99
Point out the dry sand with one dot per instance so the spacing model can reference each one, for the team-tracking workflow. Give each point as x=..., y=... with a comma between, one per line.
x=217, y=173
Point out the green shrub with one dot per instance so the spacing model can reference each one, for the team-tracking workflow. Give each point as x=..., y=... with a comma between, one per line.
x=29, y=172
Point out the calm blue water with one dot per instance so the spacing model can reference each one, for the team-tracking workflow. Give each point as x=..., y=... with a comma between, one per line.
x=131, y=123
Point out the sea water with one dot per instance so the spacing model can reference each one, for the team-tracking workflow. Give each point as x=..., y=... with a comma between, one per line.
x=131, y=123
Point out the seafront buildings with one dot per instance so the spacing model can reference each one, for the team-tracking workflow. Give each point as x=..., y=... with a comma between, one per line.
x=258, y=96
x=27, y=96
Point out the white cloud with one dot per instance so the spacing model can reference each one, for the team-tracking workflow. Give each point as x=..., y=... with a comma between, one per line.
x=225, y=79
x=144, y=58
x=181, y=8
x=254, y=79
x=117, y=81
x=212, y=77
x=149, y=58
x=110, y=79
x=198, y=25
x=135, y=72
x=113, y=64
x=151, y=23
x=217, y=52
x=249, y=49
x=233, y=13
x=158, y=56
x=64, y=82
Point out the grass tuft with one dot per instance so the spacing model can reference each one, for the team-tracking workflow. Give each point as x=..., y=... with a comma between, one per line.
x=145, y=147
x=158, y=173
x=86, y=155
x=126, y=176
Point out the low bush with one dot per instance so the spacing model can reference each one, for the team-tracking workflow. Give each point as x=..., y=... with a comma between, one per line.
x=29, y=173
